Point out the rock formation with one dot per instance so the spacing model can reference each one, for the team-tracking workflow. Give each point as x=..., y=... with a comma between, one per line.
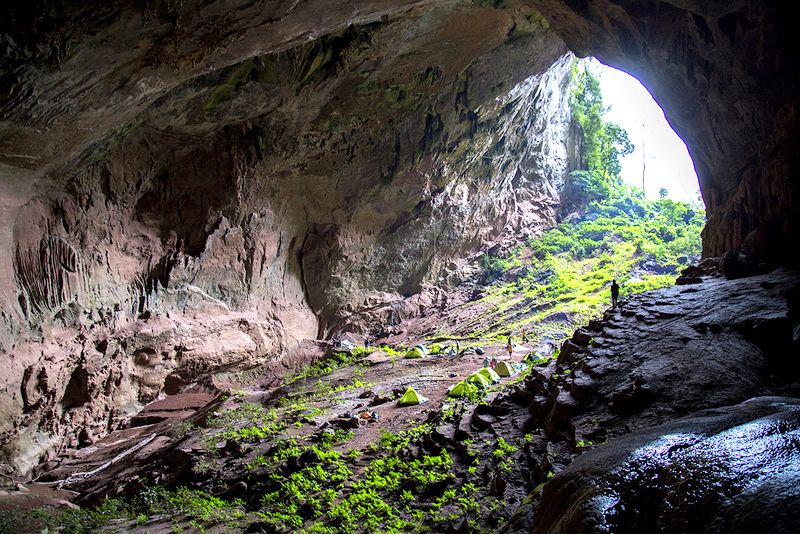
x=196, y=187
x=732, y=469
x=670, y=352
x=681, y=411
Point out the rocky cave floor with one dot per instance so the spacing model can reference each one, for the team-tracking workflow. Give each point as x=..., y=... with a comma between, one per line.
x=662, y=356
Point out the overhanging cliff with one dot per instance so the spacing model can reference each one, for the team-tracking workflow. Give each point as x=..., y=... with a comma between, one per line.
x=199, y=189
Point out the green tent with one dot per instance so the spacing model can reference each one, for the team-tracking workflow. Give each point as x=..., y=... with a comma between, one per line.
x=411, y=397
x=535, y=358
x=462, y=389
x=490, y=374
x=417, y=352
x=506, y=369
x=478, y=380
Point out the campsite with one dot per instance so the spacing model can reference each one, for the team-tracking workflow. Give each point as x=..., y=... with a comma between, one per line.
x=354, y=438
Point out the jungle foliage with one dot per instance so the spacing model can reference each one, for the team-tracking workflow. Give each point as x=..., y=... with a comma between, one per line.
x=604, y=208
x=609, y=230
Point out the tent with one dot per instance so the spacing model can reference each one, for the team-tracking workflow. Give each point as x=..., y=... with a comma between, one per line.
x=490, y=374
x=417, y=352
x=462, y=389
x=448, y=350
x=411, y=397
x=535, y=358
x=506, y=369
x=478, y=380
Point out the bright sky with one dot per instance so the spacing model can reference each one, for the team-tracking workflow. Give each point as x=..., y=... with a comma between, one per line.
x=666, y=161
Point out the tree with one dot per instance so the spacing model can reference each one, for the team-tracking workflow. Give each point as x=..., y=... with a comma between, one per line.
x=586, y=103
x=663, y=193
x=614, y=145
x=604, y=143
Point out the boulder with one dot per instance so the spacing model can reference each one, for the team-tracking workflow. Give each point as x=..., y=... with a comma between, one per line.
x=731, y=469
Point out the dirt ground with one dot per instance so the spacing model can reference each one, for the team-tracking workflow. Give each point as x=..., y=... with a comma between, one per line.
x=383, y=377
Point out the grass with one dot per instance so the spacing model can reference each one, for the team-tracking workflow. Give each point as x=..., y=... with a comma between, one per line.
x=570, y=269
x=68, y=521
x=333, y=499
x=327, y=495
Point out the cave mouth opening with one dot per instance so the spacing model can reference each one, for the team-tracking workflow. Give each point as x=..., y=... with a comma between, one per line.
x=660, y=163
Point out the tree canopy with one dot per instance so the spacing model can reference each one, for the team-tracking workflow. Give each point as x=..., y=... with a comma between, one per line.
x=604, y=142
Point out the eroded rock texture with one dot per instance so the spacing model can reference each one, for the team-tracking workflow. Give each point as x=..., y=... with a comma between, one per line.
x=195, y=188
x=732, y=469
x=669, y=352
x=675, y=413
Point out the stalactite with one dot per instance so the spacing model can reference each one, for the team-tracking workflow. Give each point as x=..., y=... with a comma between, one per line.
x=148, y=282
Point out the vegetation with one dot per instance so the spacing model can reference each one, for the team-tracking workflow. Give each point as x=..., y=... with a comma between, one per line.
x=403, y=482
x=305, y=479
x=611, y=231
x=69, y=521
x=340, y=358
x=604, y=143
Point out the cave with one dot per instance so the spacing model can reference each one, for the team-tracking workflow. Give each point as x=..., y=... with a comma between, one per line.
x=222, y=184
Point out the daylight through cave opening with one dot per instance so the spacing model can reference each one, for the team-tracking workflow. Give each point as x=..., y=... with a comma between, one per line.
x=199, y=198
x=660, y=163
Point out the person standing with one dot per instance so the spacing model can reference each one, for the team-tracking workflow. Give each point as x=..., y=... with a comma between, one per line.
x=614, y=294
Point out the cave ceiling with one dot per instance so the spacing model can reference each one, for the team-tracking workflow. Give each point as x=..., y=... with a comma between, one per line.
x=78, y=79
x=183, y=115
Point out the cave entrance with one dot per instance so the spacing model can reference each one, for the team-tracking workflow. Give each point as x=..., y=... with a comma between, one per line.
x=660, y=162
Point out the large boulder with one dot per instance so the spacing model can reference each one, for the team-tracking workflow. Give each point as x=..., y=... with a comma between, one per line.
x=725, y=470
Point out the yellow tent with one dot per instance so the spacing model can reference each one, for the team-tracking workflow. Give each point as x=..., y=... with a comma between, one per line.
x=462, y=389
x=490, y=374
x=417, y=352
x=478, y=380
x=506, y=369
x=411, y=397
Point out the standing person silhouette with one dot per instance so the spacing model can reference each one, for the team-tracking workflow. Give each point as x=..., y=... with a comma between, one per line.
x=614, y=294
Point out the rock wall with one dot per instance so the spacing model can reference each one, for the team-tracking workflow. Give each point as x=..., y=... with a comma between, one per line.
x=197, y=188
x=663, y=414
x=702, y=473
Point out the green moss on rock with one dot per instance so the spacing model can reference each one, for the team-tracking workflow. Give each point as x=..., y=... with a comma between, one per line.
x=236, y=80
